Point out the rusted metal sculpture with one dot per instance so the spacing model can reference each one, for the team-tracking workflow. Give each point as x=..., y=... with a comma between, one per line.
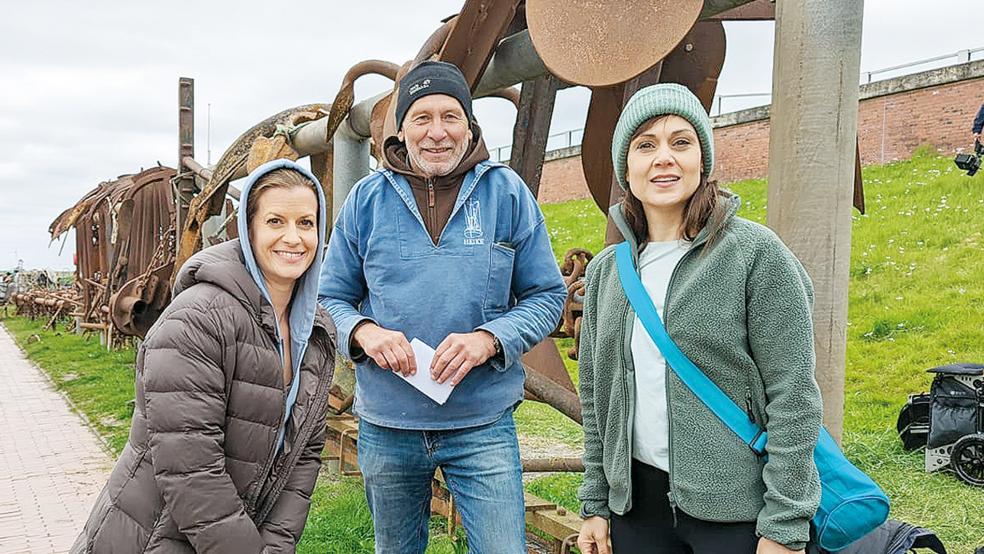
x=123, y=229
x=52, y=305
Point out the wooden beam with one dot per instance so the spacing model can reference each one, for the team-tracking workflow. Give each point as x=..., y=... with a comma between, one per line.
x=812, y=167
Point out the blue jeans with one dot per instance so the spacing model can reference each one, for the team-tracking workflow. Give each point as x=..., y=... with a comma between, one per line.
x=481, y=467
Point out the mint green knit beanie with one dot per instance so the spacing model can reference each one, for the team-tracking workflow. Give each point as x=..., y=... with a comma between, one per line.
x=661, y=99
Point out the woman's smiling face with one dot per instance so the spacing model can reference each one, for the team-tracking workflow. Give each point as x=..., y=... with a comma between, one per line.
x=284, y=233
x=664, y=163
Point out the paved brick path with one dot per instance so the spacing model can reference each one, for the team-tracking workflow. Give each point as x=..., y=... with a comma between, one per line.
x=51, y=465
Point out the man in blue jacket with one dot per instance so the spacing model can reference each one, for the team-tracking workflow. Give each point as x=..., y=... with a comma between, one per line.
x=449, y=248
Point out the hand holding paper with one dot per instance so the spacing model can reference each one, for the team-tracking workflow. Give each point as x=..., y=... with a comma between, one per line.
x=421, y=380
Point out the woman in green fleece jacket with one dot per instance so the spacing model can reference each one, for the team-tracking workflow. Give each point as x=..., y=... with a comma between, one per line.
x=662, y=473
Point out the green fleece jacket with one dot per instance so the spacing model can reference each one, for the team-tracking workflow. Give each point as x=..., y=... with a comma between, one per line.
x=740, y=308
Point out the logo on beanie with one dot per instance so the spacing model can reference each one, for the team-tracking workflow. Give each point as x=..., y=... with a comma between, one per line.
x=426, y=83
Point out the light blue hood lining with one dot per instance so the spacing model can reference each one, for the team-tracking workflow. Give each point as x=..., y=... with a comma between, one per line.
x=305, y=302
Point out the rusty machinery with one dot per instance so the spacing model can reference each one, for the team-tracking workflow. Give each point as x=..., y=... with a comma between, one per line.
x=545, y=45
x=51, y=305
x=124, y=233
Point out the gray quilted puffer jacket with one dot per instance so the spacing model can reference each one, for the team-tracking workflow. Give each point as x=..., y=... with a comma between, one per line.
x=202, y=470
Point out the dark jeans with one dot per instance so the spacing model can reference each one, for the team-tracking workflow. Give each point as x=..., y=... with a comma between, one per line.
x=650, y=526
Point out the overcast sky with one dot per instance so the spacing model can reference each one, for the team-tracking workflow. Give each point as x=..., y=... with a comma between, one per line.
x=89, y=89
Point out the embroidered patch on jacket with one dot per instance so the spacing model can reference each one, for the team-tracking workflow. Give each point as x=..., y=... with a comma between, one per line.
x=473, y=223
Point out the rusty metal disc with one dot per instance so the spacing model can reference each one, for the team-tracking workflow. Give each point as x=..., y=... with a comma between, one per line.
x=697, y=61
x=590, y=42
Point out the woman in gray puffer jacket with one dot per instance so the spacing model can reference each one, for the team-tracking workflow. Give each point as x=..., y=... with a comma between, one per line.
x=232, y=390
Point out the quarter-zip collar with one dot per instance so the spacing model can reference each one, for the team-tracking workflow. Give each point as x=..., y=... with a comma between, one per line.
x=435, y=196
x=403, y=189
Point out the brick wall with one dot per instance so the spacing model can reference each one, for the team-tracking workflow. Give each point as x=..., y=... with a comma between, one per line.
x=741, y=151
x=891, y=127
x=563, y=179
x=894, y=117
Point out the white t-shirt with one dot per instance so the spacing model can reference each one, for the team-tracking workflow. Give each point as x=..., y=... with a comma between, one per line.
x=650, y=430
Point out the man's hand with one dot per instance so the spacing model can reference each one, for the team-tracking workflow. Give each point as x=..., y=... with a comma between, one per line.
x=766, y=546
x=389, y=349
x=459, y=353
x=593, y=538
x=977, y=137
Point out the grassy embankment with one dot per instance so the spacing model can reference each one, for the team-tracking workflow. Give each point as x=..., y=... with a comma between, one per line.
x=916, y=301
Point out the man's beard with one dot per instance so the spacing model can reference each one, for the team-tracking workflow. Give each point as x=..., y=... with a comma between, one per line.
x=430, y=169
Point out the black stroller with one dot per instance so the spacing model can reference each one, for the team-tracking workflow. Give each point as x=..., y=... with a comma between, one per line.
x=949, y=422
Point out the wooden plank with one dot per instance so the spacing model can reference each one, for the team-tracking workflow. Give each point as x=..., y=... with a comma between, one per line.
x=534, y=503
x=559, y=523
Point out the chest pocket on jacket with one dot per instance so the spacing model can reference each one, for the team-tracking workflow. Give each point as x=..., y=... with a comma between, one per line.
x=499, y=291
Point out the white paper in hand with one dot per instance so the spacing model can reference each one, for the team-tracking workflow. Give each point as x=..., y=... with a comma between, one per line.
x=421, y=380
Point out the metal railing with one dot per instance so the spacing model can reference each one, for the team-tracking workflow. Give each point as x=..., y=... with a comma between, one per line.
x=962, y=56
x=556, y=141
x=719, y=98
x=573, y=137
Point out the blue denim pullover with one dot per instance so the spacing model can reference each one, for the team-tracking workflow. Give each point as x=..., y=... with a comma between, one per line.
x=492, y=269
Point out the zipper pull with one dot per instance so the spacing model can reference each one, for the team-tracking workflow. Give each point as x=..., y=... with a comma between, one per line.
x=430, y=193
x=669, y=496
x=748, y=408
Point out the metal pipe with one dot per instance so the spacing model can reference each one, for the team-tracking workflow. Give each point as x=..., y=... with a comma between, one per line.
x=206, y=174
x=308, y=139
x=186, y=148
x=515, y=61
x=563, y=400
x=197, y=168
x=548, y=465
x=350, y=163
x=714, y=7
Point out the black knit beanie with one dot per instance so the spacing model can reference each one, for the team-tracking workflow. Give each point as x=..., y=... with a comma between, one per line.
x=432, y=77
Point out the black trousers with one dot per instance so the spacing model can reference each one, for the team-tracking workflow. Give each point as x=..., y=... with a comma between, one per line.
x=649, y=527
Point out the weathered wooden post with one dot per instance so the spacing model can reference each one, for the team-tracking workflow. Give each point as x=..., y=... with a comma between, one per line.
x=185, y=181
x=811, y=165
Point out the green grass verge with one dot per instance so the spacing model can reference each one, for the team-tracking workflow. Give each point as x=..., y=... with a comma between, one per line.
x=916, y=300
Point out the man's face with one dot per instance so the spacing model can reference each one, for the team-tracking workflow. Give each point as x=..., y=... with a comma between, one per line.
x=436, y=133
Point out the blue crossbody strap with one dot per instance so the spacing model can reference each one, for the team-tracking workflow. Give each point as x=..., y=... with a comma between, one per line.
x=703, y=388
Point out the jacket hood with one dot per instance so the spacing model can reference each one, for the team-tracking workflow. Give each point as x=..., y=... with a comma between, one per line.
x=305, y=301
x=731, y=204
x=232, y=267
